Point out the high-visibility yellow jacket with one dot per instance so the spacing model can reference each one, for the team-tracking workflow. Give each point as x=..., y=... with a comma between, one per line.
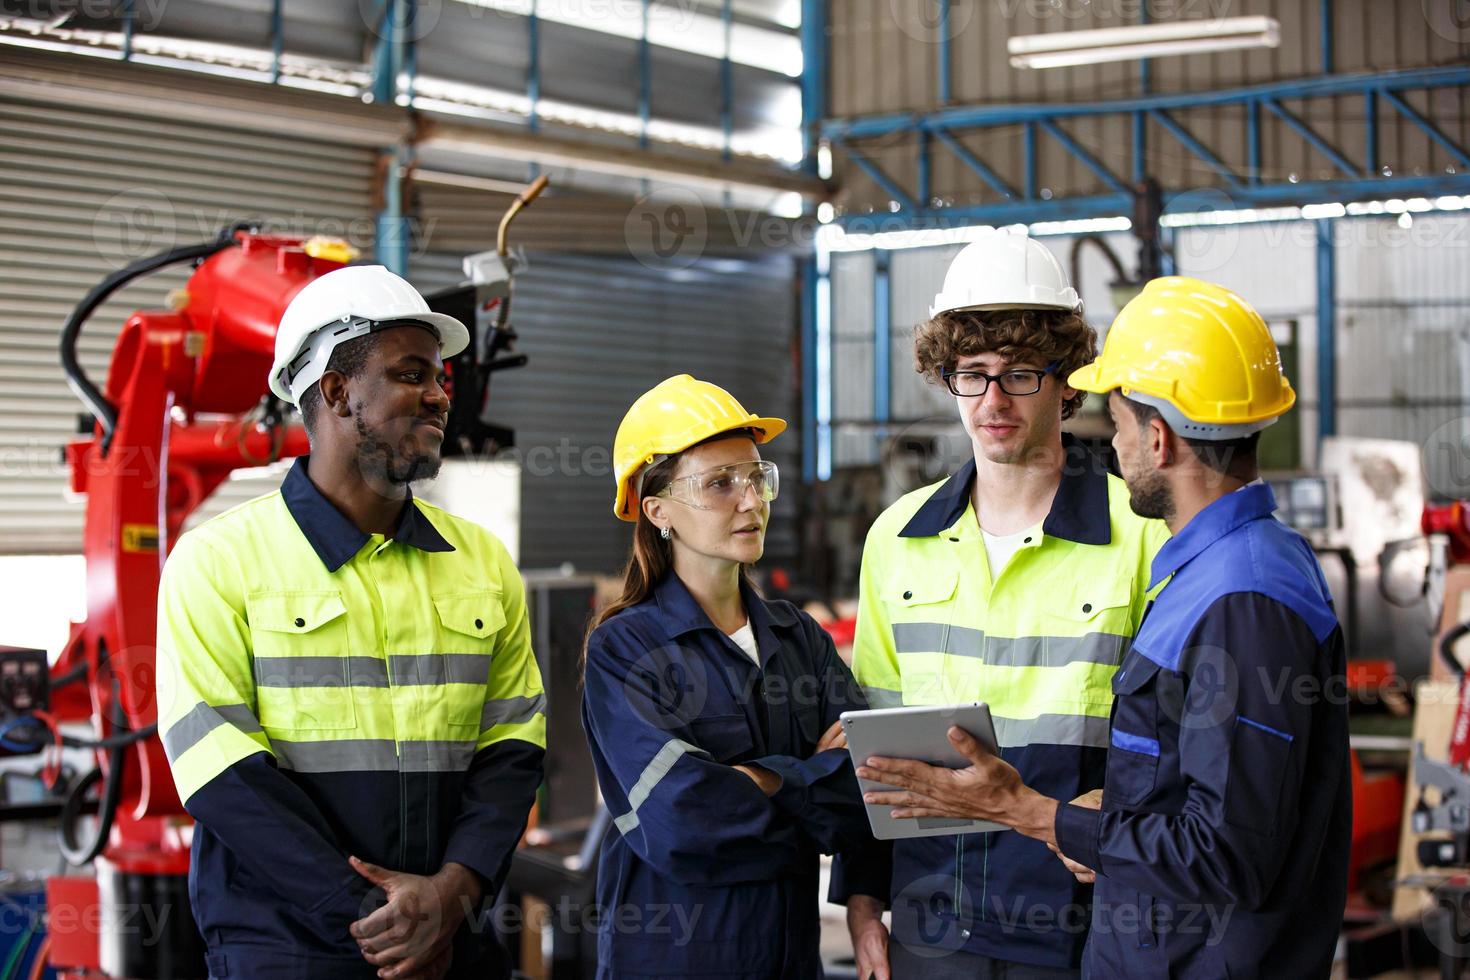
x=325, y=692
x=1039, y=641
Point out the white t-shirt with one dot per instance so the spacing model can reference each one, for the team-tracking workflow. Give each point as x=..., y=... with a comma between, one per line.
x=744, y=638
x=1000, y=547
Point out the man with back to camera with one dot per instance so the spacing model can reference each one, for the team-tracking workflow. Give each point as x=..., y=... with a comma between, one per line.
x=1018, y=581
x=348, y=697
x=1221, y=848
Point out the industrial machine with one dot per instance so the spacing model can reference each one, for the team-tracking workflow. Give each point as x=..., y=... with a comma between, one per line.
x=183, y=406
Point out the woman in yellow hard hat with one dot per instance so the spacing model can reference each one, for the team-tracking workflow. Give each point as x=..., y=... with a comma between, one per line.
x=711, y=712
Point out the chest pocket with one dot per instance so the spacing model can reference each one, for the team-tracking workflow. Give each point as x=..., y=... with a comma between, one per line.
x=1133, y=749
x=920, y=609
x=302, y=661
x=469, y=626
x=1092, y=625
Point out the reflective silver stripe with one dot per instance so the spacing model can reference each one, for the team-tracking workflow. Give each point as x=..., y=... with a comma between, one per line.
x=439, y=668
x=345, y=755
x=882, y=697
x=436, y=756
x=202, y=719
x=653, y=773
x=511, y=711
x=373, y=755
x=1006, y=651
x=320, y=672
x=1085, y=730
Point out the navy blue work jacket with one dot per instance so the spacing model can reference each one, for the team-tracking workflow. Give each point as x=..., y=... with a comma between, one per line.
x=702, y=873
x=1222, y=845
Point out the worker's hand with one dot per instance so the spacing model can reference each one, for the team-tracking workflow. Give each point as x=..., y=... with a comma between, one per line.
x=987, y=789
x=832, y=738
x=768, y=781
x=437, y=969
x=412, y=931
x=1084, y=874
x=869, y=937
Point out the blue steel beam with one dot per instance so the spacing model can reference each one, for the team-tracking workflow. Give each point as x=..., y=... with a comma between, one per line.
x=127, y=30
x=1194, y=146
x=1317, y=141
x=727, y=81
x=1082, y=155
x=1326, y=35
x=970, y=117
x=645, y=80
x=1430, y=129
x=977, y=165
x=881, y=178
x=1115, y=205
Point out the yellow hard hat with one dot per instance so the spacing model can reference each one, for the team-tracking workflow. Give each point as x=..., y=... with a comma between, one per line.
x=669, y=418
x=1199, y=353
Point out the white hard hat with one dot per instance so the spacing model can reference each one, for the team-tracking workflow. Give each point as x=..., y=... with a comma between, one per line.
x=340, y=306
x=1005, y=270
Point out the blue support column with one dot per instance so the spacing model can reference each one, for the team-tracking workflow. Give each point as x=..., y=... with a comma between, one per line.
x=882, y=336
x=278, y=41
x=946, y=78
x=390, y=246
x=1140, y=120
x=409, y=49
x=816, y=313
x=533, y=68
x=1029, y=146
x=386, y=55
x=813, y=77
x=1326, y=332
x=1370, y=122
x=727, y=82
x=1327, y=34
x=645, y=80
x=1253, y=140
x=127, y=30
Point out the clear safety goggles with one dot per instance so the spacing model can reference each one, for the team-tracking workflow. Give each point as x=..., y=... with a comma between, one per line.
x=723, y=487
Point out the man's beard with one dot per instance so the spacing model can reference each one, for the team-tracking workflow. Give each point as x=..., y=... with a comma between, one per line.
x=1149, y=495
x=382, y=460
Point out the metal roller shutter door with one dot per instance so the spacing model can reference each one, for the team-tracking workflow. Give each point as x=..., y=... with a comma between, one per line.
x=88, y=191
x=602, y=329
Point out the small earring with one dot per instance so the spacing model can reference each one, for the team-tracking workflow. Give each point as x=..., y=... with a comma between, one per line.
x=665, y=533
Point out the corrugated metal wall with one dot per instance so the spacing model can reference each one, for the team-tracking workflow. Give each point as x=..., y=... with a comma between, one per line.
x=602, y=329
x=884, y=59
x=88, y=191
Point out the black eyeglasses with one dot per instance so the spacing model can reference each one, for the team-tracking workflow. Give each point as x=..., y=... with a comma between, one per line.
x=973, y=384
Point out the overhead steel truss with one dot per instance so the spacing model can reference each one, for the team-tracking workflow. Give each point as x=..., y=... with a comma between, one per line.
x=1360, y=175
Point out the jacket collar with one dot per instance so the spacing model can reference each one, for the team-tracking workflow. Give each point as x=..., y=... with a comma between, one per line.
x=333, y=537
x=1079, y=511
x=682, y=613
x=1247, y=504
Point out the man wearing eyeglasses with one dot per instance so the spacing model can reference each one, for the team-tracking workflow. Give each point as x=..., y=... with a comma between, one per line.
x=1019, y=582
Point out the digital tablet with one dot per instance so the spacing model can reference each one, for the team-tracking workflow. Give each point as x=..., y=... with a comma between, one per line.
x=917, y=733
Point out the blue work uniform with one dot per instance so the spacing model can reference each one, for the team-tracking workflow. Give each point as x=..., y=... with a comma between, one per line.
x=702, y=873
x=1221, y=849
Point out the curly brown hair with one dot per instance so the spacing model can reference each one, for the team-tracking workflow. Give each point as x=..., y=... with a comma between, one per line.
x=1045, y=335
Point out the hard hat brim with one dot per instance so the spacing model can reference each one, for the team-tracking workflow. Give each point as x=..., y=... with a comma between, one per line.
x=1089, y=378
x=454, y=337
x=764, y=429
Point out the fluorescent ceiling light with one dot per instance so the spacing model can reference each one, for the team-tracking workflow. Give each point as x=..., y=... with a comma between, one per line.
x=1146, y=41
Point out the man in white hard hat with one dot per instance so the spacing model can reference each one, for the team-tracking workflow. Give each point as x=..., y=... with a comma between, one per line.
x=347, y=693
x=1018, y=581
